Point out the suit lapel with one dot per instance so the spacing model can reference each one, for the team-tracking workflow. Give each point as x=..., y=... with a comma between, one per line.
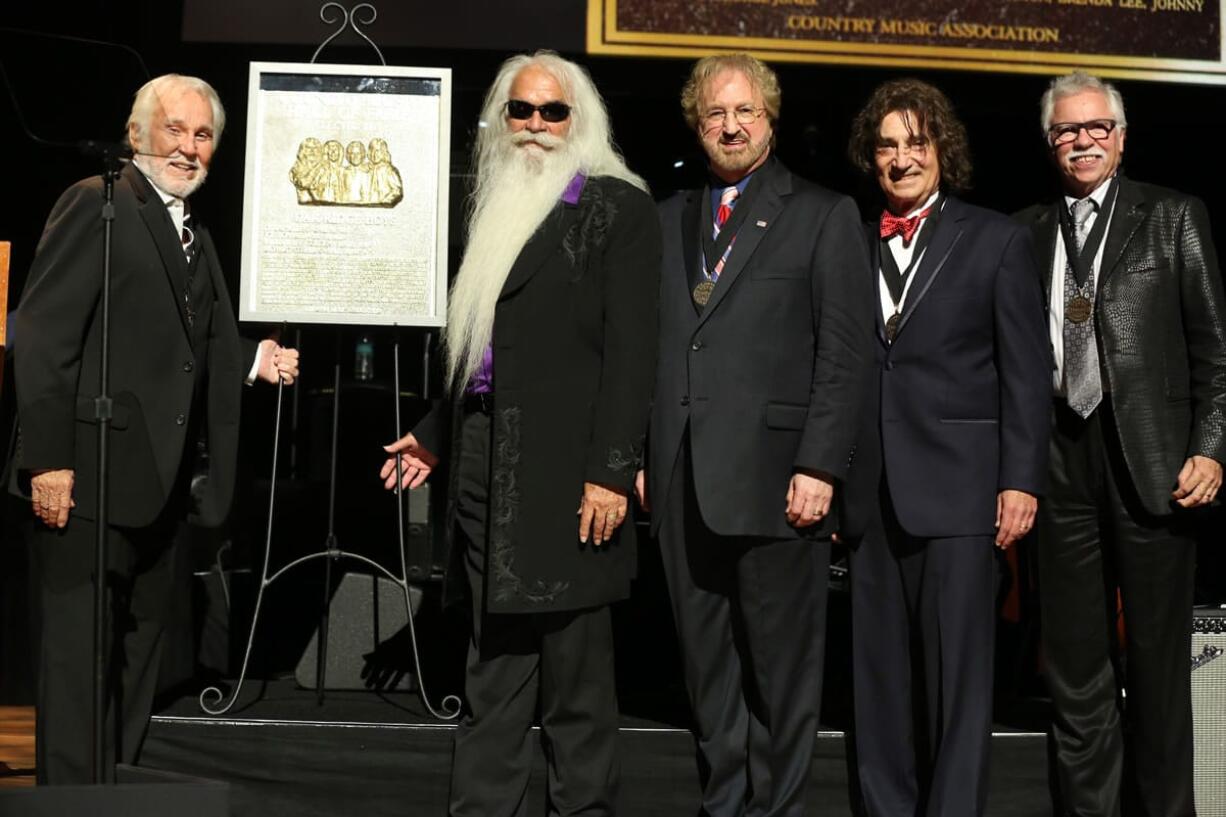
x=691, y=225
x=872, y=232
x=1129, y=213
x=162, y=231
x=540, y=247
x=1045, y=232
x=766, y=205
x=948, y=234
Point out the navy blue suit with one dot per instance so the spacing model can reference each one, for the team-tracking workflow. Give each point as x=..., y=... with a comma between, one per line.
x=959, y=413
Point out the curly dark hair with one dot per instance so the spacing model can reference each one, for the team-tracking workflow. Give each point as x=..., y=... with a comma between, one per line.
x=932, y=114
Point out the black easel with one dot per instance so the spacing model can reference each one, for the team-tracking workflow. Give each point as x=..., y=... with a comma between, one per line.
x=211, y=697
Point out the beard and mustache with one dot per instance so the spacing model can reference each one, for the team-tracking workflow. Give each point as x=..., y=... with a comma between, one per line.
x=738, y=161
x=525, y=177
x=157, y=168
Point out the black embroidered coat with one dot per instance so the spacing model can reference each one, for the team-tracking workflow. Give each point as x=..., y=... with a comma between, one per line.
x=574, y=359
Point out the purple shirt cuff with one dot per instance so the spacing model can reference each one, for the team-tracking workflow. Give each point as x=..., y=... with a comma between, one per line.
x=482, y=381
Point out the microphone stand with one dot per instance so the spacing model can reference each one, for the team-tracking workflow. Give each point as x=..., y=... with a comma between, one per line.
x=112, y=157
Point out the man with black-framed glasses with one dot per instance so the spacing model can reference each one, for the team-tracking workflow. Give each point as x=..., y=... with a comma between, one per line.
x=1137, y=322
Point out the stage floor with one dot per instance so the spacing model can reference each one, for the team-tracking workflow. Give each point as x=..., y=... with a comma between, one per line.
x=379, y=754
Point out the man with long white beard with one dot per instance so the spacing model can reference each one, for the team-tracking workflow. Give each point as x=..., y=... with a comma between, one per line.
x=550, y=346
x=176, y=367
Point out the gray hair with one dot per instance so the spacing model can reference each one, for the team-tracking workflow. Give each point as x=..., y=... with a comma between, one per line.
x=590, y=137
x=1080, y=82
x=148, y=100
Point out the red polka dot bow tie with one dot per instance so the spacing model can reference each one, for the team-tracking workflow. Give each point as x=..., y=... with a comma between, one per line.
x=892, y=225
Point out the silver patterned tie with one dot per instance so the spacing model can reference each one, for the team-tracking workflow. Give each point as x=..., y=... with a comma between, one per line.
x=1082, y=381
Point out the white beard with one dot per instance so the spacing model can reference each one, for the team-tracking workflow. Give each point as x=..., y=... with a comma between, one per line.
x=522, y=188
x=155, y=168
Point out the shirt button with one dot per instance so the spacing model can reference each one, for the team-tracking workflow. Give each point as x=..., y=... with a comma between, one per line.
x=180, y=420
x=187, y=367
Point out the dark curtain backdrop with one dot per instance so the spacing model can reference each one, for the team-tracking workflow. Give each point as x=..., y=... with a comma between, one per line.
x=72, y=90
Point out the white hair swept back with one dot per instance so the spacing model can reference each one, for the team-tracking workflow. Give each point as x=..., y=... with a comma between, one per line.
x=1079, y=82
x=148, y=100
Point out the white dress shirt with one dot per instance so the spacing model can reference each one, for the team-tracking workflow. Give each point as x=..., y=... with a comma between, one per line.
x=902, y=257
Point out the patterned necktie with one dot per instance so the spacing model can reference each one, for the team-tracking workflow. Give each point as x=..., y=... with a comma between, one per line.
x=188, y=238
x=725, y=207
x=1082, y=380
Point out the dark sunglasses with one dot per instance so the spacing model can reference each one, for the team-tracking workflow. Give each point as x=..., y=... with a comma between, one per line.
x=550, y=111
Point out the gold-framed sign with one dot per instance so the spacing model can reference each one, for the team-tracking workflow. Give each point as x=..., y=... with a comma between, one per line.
x=1173, y=40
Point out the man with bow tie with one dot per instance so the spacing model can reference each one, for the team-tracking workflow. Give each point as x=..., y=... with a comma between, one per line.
x=1137, y=322
x=951, y=458
x=176, y=367
x=765, y=352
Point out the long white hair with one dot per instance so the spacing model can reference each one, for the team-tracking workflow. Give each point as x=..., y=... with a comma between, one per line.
x=514, y=191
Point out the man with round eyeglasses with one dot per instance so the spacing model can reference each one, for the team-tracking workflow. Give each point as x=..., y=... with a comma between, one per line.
x=764, y=361
x=1137, y=323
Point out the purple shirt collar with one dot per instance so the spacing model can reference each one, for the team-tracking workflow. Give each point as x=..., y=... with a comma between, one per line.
x=571, y=194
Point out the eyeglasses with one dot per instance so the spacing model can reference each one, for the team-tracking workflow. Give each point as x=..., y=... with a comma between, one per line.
x=550, y=111
x=917, y=147
x=1062, y=133
x=744, y=115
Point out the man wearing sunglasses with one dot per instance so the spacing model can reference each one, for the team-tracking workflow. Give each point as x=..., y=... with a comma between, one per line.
x=1136, y=319
x=551, y=332
x=764, y=359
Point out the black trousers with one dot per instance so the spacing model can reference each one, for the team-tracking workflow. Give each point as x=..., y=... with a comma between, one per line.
x=1096, y=538
x=923, y=638
x=142, y=584
x=558, y=662
x=751, y=618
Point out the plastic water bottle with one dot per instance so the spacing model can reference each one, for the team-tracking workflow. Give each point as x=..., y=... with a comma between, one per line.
x=364, y=359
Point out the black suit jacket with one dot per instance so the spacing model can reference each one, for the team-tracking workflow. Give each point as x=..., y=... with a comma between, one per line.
x=1161, y=326
x=961, y=401
x=770, y=377
x=574, y=353
x=154, y=374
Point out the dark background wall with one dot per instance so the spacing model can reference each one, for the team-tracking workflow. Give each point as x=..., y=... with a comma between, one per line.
x=67, y=90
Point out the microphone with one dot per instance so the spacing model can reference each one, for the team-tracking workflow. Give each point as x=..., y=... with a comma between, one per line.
x=110, y=151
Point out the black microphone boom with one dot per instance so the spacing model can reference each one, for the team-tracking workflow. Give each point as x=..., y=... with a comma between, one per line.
x=106, y=151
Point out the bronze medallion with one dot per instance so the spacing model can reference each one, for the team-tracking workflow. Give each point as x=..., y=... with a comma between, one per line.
x=702, y=292
x=891, y=326
x=1079, y=309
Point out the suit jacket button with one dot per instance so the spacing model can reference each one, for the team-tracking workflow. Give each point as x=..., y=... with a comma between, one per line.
x=696, y=345
x=889, y=365
x=180, y=420
x=187, y=367
x=685, y=401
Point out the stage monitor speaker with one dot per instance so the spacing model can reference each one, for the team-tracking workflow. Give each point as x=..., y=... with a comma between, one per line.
x=368, y=639
x=1209, y=710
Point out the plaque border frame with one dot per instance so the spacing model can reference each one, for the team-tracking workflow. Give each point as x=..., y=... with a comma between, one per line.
x=250, y=249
